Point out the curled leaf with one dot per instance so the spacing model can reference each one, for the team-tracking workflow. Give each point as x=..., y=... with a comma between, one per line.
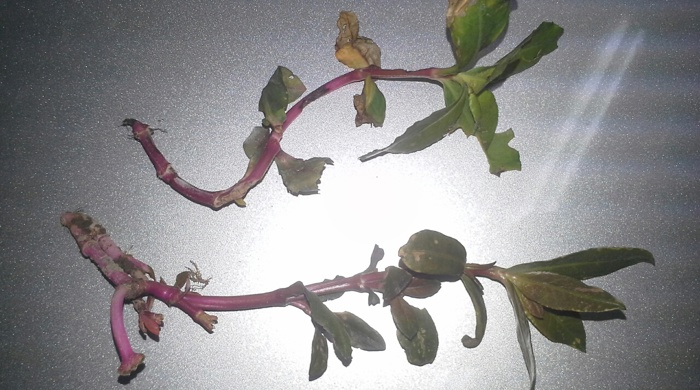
x=432, y=253
x=473, y=25
x=476, y=293
x=301, y=177
x=352, y=49
x=283, y=88
x=370, y=105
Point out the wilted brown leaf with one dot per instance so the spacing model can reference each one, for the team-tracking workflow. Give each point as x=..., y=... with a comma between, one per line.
x=352, y=49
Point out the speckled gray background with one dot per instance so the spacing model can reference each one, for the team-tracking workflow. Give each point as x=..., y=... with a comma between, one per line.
x=607, y=127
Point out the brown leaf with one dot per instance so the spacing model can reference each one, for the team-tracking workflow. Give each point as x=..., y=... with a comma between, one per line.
x=352, y=49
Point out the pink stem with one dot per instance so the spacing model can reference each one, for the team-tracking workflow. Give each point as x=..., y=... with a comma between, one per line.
x=129, y=359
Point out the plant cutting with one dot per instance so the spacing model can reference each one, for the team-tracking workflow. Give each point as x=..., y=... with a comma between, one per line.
x=551, y=295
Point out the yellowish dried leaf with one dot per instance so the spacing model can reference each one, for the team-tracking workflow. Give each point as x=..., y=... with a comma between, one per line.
x=352, y=49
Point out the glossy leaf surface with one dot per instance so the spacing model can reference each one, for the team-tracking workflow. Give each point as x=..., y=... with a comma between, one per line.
x=565, y=293
x=590, y=263
x=473, y=25
x=539, y=43
x=424, y=132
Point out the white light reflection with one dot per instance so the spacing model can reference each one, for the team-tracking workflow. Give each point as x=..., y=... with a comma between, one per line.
x=583, y=121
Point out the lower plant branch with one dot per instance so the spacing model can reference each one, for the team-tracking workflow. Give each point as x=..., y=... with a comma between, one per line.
x=235, y=194
x=131, y=284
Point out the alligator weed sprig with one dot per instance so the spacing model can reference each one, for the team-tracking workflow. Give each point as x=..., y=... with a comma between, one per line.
x=469, y=104
x=550, y=295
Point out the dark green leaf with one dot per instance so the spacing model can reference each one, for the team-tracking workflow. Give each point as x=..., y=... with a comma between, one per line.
x=590, y=263
x=332, y=326
x=476, y=293
x=561, y=292
x=422, y=288
x=283, y=88
x=301, y=176
x=319, y=355
x=372, y=298
x=362, y=335
x=557, y=326
x=415, y=331
x=432, y=253
x=375, y=258
x=473, y=25
x=370, y=105
x=523, y=331
x=539, y=43
x=395, y=282
x=424, y=132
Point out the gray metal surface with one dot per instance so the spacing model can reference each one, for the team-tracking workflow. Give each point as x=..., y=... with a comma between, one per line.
x=607, y=127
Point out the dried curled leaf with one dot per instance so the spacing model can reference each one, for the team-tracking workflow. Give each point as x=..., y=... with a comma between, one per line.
x=352, y=49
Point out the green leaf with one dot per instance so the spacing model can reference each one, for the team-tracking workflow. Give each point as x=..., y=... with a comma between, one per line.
x=422, y=288
x=557, y=326
x=283, y=88
x=395, y=282
x=539, y=43
x=254, y=145
x=301, y=177
x=590, y=263
x=432, y=253
x=424, y=132
x=375, y=258
x=362, y=335
x=453, y=90
x=319, y=355
x=500, y=156
x=476, y=293
x=561, y=292
x=370, y=105
x=523, y=332
x=332, y=326
x=415, y=331
x=473, y=25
